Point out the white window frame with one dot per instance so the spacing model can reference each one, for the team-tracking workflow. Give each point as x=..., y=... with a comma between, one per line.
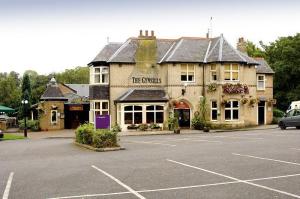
x=101, y=110
x=231, y=108
x=154, y=111
x=213, y=71
x=264, y=83
x=101, y=68
x=213, y=109
x=231, y=71
x=187, y=73
x=133, y=112
x=56, y=121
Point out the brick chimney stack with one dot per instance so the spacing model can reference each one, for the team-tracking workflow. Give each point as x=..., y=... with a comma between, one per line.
x=148, y=34
x=242, y=45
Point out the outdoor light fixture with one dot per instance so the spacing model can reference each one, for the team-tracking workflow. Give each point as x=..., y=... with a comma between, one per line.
x=183, y=91
x=25, y=102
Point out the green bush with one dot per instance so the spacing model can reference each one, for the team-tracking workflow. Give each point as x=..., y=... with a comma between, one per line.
x=143, y=127
x=33, y=125
x=277, y=113
x=84, y=134
x=198, y=123
x=154, y=126
x=104, y=138
x=173, y=122
x=116, y=128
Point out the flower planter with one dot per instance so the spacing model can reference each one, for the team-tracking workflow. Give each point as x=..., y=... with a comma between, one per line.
x=177, y=131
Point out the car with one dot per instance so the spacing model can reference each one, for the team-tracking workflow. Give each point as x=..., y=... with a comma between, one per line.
x=1, y=134
x=291, y=119
x=294, y=105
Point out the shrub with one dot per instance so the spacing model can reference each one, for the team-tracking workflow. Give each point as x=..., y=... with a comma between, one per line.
x=154, y=126
x=84, y=134
x=132, y=126
x=197, y=123
x=104, y=138
x=173, y=122
x=33, y=125
x=116, y=128
x=143, y=127
x=277, y=113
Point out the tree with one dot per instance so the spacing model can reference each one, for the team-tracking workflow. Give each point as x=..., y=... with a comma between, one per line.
x=26, y=92
x=283, y=55
x=78, y=75
x=253, y=50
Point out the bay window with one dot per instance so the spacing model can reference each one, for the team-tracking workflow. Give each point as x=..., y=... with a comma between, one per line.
x=154, y=114
x=133, y=114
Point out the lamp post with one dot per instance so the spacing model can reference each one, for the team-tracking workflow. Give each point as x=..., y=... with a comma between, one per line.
x=25, y=102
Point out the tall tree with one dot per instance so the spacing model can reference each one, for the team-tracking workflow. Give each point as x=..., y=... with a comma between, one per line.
x=253, y=50
x=283, y=55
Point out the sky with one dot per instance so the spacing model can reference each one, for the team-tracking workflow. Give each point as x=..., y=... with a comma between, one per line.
x=54, y=35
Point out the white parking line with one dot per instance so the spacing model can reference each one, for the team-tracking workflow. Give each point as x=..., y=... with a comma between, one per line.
x=156, y=143
x=120, y=183
x=269, y=159
x=177, y=188
x=8, y=185
x=193, y=140
x=235, y=179
x=296, y=149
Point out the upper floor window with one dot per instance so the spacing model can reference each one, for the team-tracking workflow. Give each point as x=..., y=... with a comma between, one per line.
x=261, y=82
x=213, y=72
x=231, y=72
x=187, y=72
x=100, y=75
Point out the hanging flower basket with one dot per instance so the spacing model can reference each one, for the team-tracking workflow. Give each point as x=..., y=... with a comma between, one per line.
x=212, y=87
x=244, y=100
x=235, y=88
x=224, y=101
x=253, y=101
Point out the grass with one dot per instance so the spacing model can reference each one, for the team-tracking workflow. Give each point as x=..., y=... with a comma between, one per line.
x=12, y=137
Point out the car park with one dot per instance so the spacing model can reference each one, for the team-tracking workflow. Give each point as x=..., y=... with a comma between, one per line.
x=291, y=119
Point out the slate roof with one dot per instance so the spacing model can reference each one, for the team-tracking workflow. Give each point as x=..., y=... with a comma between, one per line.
x=184, y=49
x=143, y=95
x=263, y=66
x=81, y=89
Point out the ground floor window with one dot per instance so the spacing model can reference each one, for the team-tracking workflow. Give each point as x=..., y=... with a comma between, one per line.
x=133, y=114
x=232, y=110
x=154, y=114
x=214, y=111
x=99, y=107
x=142, y=113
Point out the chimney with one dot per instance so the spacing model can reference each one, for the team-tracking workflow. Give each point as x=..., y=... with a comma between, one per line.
x=242, y=45
x=141, y=33
x=152, y=33
x=146, y=33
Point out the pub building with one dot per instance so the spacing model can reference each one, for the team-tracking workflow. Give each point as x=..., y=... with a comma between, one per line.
x=145, y=79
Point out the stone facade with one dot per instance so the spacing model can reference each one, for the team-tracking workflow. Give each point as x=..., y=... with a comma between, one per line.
x=45, y=118
x=148, y=71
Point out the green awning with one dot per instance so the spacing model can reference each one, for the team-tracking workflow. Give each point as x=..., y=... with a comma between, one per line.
x=6, y=109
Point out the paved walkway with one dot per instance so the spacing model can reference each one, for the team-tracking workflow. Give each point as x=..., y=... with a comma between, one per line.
x=70, y=133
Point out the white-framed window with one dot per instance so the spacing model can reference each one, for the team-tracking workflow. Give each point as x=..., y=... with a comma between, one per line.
x=261, y=82
x=187, y=73
x=53, y=116
x=99, y=75
x=133, y=114
x=232, y=110
x=231, y=72
x=154, y=114
x=99, y=107
x=213, y=72
x=214, y=110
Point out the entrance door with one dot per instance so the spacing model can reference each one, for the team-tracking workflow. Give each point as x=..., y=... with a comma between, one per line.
x=261, y=112
x=184, y=117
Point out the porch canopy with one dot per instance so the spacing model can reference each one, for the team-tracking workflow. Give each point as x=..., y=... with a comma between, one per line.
x=143, y=95
x=5, y=109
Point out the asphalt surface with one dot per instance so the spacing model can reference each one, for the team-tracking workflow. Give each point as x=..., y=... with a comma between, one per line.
x=249, y=164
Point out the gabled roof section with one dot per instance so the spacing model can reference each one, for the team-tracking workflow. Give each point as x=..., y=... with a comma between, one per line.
x=184, y=49
x=263, y=67
x=107, y=52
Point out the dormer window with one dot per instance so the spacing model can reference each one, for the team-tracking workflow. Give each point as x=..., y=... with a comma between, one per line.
x=100, y=75
x=231, y=72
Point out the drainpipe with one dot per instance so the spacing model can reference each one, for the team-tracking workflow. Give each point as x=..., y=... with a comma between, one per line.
x=203, y=81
